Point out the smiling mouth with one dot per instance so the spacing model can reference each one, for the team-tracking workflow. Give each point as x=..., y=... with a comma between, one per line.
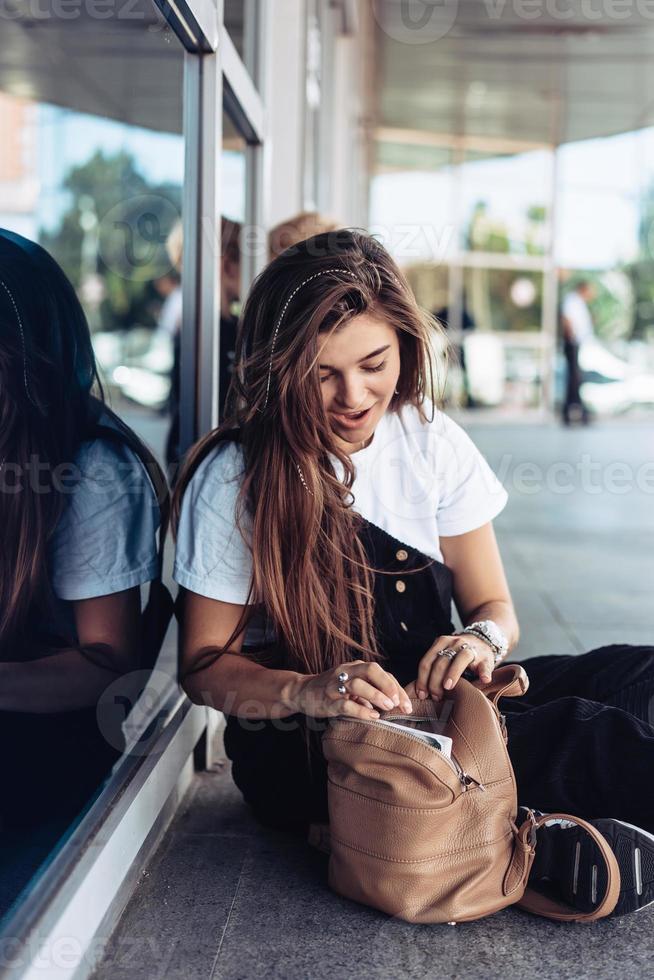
x=352, y=416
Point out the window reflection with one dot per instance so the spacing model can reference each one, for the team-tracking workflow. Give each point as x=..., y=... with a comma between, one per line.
x=92, y=169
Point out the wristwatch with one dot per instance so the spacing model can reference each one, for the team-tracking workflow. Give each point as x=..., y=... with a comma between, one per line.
x=491, y=633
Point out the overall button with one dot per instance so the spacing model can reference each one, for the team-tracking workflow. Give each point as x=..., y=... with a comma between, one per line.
x=400, y=585
x=402, y=555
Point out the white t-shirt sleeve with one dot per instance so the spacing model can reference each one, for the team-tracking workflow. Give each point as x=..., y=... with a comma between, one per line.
x=470, y=494
x=105, y=541
x=211, y=557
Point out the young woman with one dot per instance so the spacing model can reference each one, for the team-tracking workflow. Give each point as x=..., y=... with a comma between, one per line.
x=79, y=515
x=322, y=533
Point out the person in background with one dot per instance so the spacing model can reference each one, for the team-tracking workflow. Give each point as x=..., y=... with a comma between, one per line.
x=458, y=349
x=304, y=225
x=171, y=320
x=577, y=327
x=230, y=294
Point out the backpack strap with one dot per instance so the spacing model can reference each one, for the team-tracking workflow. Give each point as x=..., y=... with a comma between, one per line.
x=538, y=904
x=507, y=681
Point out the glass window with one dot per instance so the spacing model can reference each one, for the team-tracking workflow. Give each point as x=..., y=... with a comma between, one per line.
x=598, y=190
x=430, y=285
x=504, y=202
x=412, y=193
x=499, y=305
x=504, y=300
x=92, y=168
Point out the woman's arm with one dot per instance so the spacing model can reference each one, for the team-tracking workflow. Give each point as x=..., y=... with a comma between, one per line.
x=480, y=587
x=238, y=686
x=232, y=683
x=108, y=628
x=480, y=592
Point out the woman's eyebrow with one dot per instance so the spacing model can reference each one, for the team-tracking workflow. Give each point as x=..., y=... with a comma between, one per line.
x=380, y=350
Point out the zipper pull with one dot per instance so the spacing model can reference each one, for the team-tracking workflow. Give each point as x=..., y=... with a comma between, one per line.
x=467, y=779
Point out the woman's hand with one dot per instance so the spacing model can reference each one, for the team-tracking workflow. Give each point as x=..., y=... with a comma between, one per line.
x=370, y=689
x=437, y=673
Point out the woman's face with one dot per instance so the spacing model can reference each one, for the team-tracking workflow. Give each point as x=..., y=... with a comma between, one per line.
x=359, y=368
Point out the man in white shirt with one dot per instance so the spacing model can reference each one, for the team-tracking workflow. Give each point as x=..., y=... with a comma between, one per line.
x=577, y=324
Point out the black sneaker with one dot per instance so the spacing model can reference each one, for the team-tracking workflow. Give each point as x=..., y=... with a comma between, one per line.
x=568, y=861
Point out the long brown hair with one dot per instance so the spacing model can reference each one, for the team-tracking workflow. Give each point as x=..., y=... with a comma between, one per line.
x=309, y=567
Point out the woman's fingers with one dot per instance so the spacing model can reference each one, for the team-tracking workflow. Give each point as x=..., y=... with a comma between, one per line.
x=467, y=658
x=386, y=702
x=366, y=704
x=438, y=673
x=446, y=669
x=370, y=681
x=378, y=678
x=432, y=665
x=362, y=689
x=350, y=707
x=411, y=690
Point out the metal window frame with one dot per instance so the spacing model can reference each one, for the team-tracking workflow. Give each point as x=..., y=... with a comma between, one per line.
x=216, y=80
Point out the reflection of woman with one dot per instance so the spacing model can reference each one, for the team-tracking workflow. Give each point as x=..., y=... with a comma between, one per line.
x=79, y=516
x=331, y=330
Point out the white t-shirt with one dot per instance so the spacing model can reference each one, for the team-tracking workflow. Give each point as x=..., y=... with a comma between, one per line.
x=416, y=481
x=575, y=310
x=105, y=540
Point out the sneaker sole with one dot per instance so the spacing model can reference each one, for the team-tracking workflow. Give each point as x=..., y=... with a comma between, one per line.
x=575, y=865
x=634, y=849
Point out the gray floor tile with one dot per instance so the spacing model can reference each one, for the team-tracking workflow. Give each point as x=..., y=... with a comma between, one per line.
x=199, y=813
x=541, y=641
x=591, y=608
x=173, y=924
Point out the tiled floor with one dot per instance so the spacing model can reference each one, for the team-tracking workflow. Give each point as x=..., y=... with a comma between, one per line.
x=225, y=898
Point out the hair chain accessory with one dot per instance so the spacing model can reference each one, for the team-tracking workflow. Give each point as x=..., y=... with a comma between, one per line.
x=315, y=275
x=304, y=482
x=22, y=341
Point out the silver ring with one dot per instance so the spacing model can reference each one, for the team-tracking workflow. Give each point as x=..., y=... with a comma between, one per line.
x=342, y=689
x=343, y=676
x=450, y=654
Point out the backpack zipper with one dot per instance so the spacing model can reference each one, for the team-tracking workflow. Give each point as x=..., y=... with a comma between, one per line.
x=464, y=777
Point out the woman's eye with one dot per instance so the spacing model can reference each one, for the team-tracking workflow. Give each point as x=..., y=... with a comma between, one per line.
x=377, y=367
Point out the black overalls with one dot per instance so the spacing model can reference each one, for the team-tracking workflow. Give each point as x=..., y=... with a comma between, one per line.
x=581, y=740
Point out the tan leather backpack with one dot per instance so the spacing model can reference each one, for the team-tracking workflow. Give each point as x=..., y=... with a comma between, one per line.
x=429, y=839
